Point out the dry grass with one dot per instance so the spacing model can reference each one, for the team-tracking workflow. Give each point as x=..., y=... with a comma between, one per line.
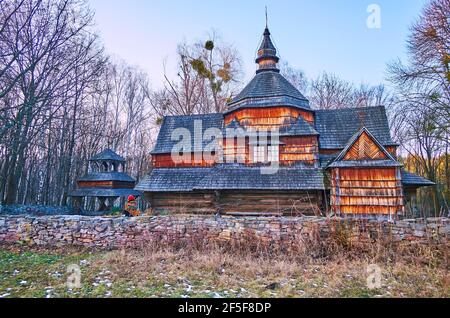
x=231, y=274
x=249, y=268
x=195, y=267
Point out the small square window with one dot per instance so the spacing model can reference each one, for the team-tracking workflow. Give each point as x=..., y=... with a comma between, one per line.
x=259, y=154
x=262, y=154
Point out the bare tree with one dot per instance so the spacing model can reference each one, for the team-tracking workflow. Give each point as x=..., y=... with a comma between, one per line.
x=295, y=76
x=57, y=50
x=423, y=98
x=426, y=76
x=208, y=76
x=9, y=27
x=63, y=100
x=329, y=91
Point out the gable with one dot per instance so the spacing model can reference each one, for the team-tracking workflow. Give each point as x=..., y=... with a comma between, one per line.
x=365, y=148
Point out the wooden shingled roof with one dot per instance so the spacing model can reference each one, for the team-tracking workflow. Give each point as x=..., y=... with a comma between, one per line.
x=269, y=88
x=108, y=154
x=236, y=177
x=335, y=127
x=386, y=161
x=412, y=179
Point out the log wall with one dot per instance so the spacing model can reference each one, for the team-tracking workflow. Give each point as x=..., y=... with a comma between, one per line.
x=182, y=202
x=289, y=203
x=269, y=203
x=366, y=191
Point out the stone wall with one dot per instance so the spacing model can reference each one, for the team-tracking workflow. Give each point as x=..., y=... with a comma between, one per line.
x=101, y=232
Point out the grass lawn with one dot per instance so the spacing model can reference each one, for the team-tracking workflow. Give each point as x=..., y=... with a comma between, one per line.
x=169, y=273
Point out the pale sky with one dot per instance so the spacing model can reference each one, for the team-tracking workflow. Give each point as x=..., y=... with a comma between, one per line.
x=312, y=35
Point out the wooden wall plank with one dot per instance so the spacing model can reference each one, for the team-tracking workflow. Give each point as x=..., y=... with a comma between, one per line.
x=266, y=118
x=366, y=191
x=237, y=202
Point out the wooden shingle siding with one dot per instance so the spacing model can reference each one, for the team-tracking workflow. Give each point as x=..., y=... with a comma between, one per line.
x=366, y=191
x=234, y=151
x=94, y=184
x=299, y=149
x=166, y=161
x=293, y=150
x=267, y=118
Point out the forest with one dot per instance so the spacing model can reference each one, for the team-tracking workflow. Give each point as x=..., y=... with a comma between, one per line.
x=64, y=98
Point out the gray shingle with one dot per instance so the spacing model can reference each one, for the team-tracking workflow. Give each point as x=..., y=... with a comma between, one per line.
x=164, y=142
x=326, y=159
x=365, y=163
x=231, y=177
x=300, y=128
x=411, y=179
x=337, y=126
x=107, y=154
x=269, y=88
x=176, y=179
x=228, y=177
x=267, y=46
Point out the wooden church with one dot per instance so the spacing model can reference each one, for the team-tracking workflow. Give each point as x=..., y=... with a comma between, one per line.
x=340, y=162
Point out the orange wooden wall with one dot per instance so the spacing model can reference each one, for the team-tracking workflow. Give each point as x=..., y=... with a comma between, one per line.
x=293, y=150
x=299, y=149
x=366, y=191
x=166, y=161
x=267, y=118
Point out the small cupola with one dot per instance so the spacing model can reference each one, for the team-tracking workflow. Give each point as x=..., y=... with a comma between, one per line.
x=267, y=57
x=268, y=88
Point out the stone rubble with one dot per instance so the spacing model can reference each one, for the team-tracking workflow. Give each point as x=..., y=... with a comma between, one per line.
x=111, y=233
